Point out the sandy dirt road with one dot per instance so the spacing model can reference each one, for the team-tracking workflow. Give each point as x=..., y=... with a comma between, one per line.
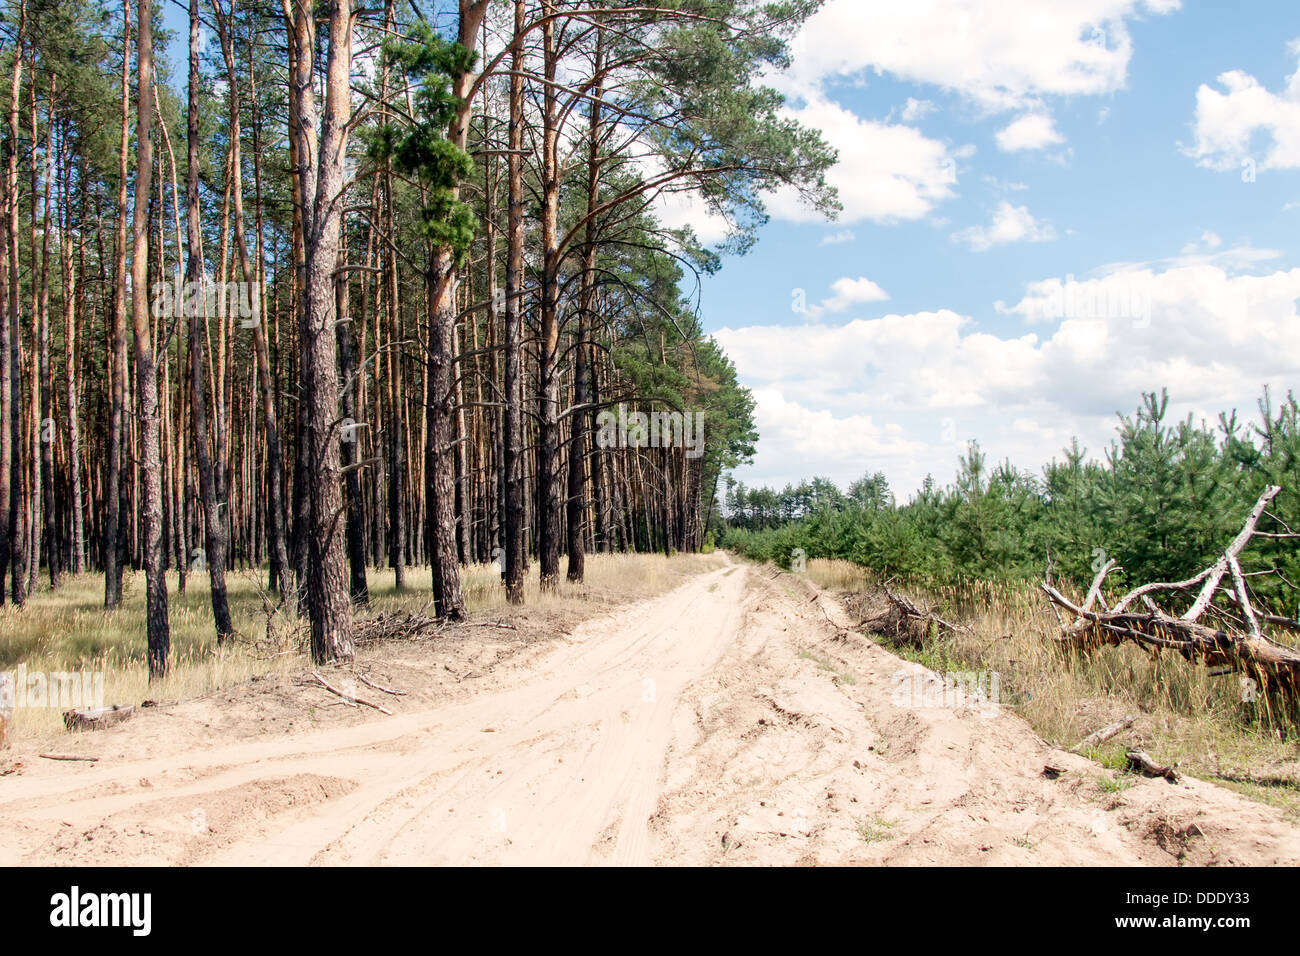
x=734, y=720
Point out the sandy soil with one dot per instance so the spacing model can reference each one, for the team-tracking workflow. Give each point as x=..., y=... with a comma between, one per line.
x=734, y=720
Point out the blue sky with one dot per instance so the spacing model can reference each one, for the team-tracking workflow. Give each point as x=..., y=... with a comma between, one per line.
x=989, y=152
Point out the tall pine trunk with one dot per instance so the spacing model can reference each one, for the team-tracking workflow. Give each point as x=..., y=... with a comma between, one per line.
x=17, y=526
x=548, y=389
x=439, y=463
x=214, y=525
x=322, y=173
x=440, y=371
x=513, y=519
x=351, y=439
x=151, y=505
x=114, y=521
x=576, y=500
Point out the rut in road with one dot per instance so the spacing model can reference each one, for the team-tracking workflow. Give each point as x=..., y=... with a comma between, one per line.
x=736, y=719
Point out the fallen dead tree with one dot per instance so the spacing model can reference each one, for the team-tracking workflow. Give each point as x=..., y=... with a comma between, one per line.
x=899, y=618
x=1220, y=627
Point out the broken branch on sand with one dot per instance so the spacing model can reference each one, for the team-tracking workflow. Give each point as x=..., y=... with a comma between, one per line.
x=1141, y=762
x=350, y=698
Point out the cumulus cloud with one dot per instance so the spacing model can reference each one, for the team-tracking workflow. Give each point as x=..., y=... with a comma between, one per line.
x=885, y=173
x=1010, y=224
x=1031, y=131
x=795, y=434
x=1245, y=122
x=1001, y=56
x=847, y=293
x=920, y=384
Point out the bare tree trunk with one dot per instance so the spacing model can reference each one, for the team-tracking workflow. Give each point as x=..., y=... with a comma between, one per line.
x=439, y=468
x=548, y=389
x=146, y=367
x=276, y=522
x=214, y=525
x=512, y=443
x=9, y=456
x=396, y=410
x=322, y=175
x=440, y=293
x=350, y=440
x=576, y=500
x=17, y=524
x=70, y=293
x=113, y=494
x=301, y=36
x=46, y=431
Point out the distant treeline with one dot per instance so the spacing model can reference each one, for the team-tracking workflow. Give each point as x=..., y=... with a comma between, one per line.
x=1165, y=502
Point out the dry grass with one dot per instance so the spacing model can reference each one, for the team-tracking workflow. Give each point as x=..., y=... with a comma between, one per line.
x=69, y=630
x=1185, y=714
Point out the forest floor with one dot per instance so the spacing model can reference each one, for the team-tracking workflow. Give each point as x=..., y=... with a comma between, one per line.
x=736, y=719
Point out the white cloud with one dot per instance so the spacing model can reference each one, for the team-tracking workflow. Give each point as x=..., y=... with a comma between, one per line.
x=1010, y=224
x=837, y=238
x=1005, y=185
x=915, y=109
x=901, y=392
x=794, y=435
x=1034, y=130
x=1245, y=122
x=999, y=55
x=847, y=293
x=676, y=210
x=1209, y=241
x=885, y=172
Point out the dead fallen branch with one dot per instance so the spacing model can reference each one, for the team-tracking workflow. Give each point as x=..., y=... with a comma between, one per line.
x=1230, y=638
x=351, y=699
x=898, y=617
x=380, y=687
x=391, y=626
x=1141, y=762
x=69, y=757
x=96, y=718
x=1096, y=738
